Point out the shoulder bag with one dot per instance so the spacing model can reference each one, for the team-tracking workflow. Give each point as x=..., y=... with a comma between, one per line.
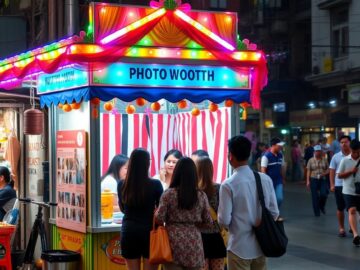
x=269, y=233
x=160, y=251
x=223, y=232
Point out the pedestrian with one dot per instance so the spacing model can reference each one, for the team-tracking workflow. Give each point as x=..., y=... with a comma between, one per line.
x=184, y=209
x=336, y=184
x=349, y=172
x=260, y=149
x=272, y=163
x=240, y=210
x=316, y=181
x=199, y=153
x=309, y=153
x=166, y=172
x=296, y=161
x=7, y=191
x=138, y=196
x=214, y=247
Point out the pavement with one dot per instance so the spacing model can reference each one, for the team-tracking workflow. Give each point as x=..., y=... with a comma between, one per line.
x=313, y=241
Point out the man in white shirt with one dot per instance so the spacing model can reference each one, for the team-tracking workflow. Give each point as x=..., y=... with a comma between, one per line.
x=240, y=210
x=336, y=184
x=348, y=171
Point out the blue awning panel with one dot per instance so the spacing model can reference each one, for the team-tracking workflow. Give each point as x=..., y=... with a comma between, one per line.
x=151, y=94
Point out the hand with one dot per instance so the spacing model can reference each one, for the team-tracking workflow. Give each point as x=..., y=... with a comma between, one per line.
x=332, y=188
x=308, y=185
x=354, y=170
x=162, y=174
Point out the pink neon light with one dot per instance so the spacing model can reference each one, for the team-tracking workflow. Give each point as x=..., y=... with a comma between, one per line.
x=133, y=26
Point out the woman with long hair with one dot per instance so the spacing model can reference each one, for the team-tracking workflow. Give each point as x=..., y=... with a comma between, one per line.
x=138, y=196
x=117, y=171
x=184, y=209
x=170, y=160
x=214, y=247
x=7, y=191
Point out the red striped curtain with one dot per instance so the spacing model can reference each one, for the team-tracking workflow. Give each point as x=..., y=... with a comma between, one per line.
x=158, y=133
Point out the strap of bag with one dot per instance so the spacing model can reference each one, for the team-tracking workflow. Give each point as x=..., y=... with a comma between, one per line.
x=357, y=166
x=259, y=189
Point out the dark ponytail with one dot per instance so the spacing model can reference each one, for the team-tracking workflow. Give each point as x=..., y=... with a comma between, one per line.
x=4, y=171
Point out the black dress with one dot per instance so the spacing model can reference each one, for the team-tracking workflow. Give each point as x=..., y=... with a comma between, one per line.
x=137, y=222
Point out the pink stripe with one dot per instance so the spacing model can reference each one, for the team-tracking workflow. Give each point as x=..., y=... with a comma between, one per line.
x=217, y=141
x=224, y=165
x=105, y=142
x=118, y=133
x=203, y=126
x=145, y=137
x=160, y=137
x=193, y=134
x=136, y=131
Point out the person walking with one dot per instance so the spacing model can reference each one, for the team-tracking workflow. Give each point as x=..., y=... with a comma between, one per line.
x=272, y=163
x=349, y=172
x=336, y=184
x=240, y=210
x=138, y=197
x=316, y=180
x=214, y=247
x=296, y=161
x=184, y=209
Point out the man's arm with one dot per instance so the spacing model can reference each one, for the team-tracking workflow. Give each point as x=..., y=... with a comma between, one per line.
x=332, y=179
x=264, y=164
x=342, y=173
x=225, y=206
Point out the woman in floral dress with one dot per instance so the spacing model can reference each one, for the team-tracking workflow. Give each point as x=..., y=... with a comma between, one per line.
x=184, y=209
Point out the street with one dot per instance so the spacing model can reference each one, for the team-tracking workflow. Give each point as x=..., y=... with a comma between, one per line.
x=313, y=241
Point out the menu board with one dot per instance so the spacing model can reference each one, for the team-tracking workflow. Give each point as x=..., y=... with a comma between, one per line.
x=71, y=180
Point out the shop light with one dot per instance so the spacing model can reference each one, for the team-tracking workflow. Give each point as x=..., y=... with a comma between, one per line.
x=204, y=30
x=333, y=102
x=311, y=105
x=133, y=26
x=284, y=131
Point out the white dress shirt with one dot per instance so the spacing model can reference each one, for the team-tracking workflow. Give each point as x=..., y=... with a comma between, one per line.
x=240, y=210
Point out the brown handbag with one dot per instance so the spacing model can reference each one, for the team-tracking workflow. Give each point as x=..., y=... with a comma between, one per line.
x=160, y=251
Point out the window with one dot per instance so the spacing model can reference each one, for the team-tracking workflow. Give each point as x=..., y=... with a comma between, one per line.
x=218, y=4
x=340, y=32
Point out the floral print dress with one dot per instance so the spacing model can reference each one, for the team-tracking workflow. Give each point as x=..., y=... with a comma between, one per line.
x=183, y=228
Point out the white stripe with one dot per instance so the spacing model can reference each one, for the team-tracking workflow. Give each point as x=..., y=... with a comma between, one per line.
x=209, y=135
x=171, y=131
x=130, y=134
x=102, y=140
x=199, y=131
x=230, y=135
x=164, y=140
x=141, y=115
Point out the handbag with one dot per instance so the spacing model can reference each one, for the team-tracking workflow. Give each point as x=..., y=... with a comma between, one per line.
x=160, y=251
x=223, y=232
x=269, y=233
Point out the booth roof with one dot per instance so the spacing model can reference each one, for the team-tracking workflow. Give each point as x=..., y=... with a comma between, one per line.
x=50, y=58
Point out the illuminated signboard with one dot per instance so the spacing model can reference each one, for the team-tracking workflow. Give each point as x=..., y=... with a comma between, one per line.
x=66, y=78
x=177, y=76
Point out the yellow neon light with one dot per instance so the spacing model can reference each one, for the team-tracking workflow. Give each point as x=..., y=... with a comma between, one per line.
x=203, y=29
x=133, y=26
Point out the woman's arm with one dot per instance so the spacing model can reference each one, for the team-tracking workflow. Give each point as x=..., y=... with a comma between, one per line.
x=161, y=214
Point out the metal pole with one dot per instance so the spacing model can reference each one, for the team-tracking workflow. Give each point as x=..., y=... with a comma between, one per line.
x=71, y=17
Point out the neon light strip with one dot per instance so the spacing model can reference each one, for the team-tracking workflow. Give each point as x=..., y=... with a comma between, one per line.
x=133, y=26
x=247, y=56
x=204, y=30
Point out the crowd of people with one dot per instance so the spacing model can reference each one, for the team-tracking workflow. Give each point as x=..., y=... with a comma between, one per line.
x=185, y=195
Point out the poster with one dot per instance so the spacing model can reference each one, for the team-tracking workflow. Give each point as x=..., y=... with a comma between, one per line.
x=71, y=180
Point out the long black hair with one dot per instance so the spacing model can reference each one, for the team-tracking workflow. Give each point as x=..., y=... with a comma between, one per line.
x=4, y=171
x=133, y=190
x=185, y=181
x=116, y=164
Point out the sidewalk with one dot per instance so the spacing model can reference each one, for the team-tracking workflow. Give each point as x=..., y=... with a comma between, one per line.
x=313, y=241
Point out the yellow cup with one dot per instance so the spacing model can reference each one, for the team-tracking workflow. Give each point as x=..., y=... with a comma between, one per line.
x=107, y=206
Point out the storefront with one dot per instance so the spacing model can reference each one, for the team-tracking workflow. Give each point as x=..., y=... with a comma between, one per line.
x=159, y=78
